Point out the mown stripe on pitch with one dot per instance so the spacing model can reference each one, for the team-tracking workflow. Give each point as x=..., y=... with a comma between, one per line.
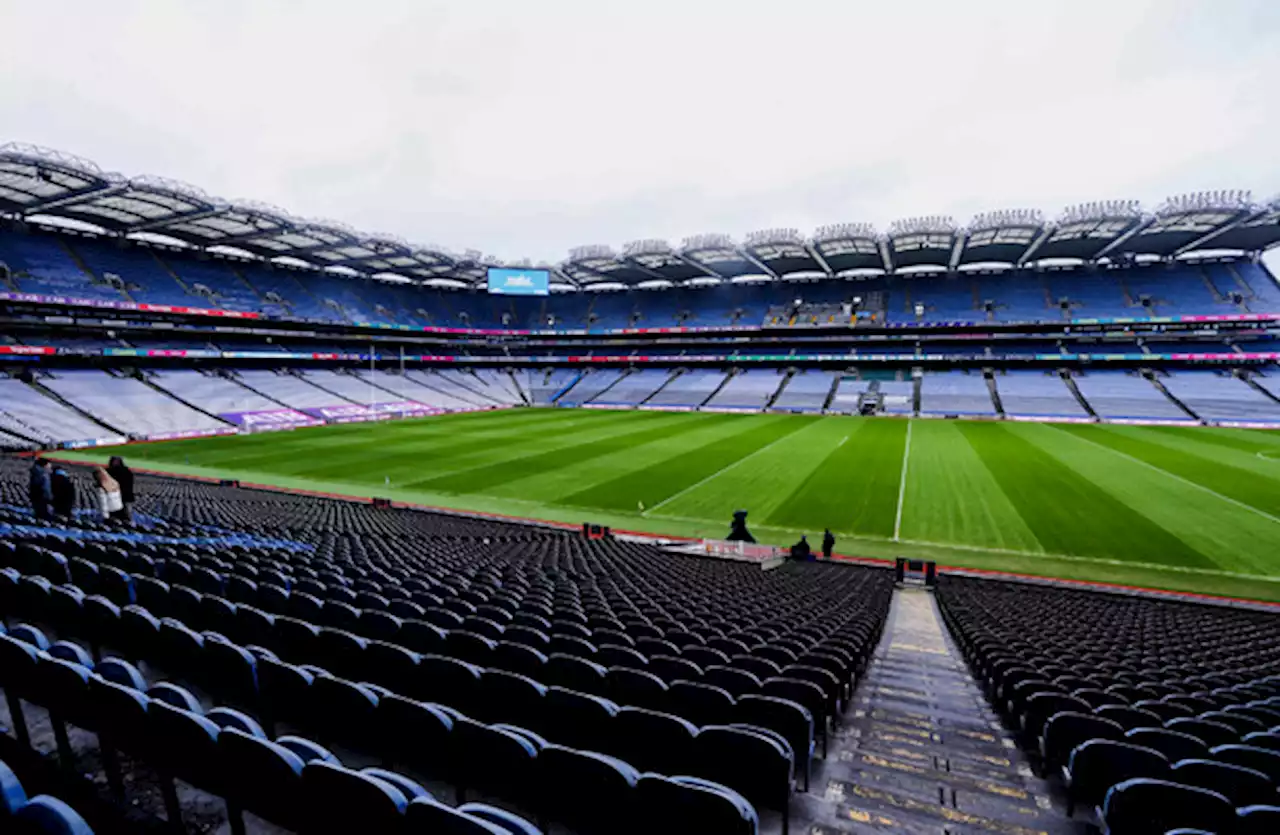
x=663, y=479
x=1068, y=513
x=953, y=498
x=478, y=479
x=855, y=489
x=1247, y=440
x=417, y=455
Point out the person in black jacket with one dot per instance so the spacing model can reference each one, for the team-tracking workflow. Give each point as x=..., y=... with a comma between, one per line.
x=801, y=550
x=124, y=477
x=738, y=528
x=828, y=543
x=64, y=493
x=39, y=490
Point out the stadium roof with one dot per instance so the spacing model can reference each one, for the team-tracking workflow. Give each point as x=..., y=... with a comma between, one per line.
x=39, y=182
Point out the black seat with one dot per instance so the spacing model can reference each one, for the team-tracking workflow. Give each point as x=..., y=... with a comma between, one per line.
x=1173, y=744
x=1064, y=732
x=1153, y=807
x=588, y=792
x=689, y=806
x=1242, y=786
x=1099, y=764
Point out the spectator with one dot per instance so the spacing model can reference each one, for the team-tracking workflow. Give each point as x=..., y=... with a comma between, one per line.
x=738, y=528
x=801, y=550
x=40, y=490
x=124, y=477
x=63, y=492
x=828, y=544
x=110, y=502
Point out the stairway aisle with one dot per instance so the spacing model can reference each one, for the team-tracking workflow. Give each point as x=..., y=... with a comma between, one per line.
x=920, y=751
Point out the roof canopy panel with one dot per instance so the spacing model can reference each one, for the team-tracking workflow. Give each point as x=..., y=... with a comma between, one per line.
x=33, y=178
x=1001, y=237
x=1186, y=219
x=783, y=251
x=656, y=257
x=922, y=241
x=141, y=204
x=718, y=255
x=849, y=246
x=41, y=182
x=1260, y=230
x=1087, y=230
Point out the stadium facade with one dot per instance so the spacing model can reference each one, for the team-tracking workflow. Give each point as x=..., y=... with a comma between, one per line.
x=145, y=308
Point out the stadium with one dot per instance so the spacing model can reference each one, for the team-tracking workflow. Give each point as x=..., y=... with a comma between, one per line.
x=428, y=541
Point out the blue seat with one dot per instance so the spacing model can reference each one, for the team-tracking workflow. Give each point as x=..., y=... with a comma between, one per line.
x=1153, y=807
x=504, y=821
x=691, y=806
x=588, y=792
x=338, y=799
x=1257, y=820
x=44, y=815
x=426, y=815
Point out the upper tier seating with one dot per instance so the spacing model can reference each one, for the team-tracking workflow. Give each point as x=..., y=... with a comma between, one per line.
x=1122, y=394
x=129, y=405
x=1162, y=714
x=1037, y=394
x=42, y=263
x=27, y=412
x=955, y=393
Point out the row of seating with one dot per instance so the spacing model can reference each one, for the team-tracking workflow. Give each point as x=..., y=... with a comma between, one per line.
x=1129, y=697
x=407, y=731
x=39, y=815
x=704, y=697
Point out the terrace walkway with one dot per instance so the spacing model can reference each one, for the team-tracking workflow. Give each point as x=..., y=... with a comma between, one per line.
x=920, y=751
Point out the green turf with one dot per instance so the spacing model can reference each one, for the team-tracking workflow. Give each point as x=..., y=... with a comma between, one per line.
x=1171, y=507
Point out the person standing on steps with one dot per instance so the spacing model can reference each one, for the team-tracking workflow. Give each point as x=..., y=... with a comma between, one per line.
x=63, y=493
x=124, y=477
x=40, y=490
x=828, y=544
x=110, y=501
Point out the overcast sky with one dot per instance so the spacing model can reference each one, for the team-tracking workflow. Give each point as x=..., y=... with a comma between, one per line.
x=525, y=128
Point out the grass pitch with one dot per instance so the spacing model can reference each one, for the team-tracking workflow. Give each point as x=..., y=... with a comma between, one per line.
x=1170, y=507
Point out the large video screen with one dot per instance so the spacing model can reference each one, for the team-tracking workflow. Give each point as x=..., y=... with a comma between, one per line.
x=510, y=282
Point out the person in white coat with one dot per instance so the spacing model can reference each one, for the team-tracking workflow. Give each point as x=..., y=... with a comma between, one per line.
x=110, y=501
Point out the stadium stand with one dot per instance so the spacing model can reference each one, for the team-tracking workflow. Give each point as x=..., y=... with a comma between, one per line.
x=26, y=412
x=1037, y=394
x=689, y=389
x=129, y=405
x=750, y=389
x=898, y=396
x=1116, y=395
x=1218, y=397
x=210, y=393
x=492, y=386
x=635, y=389
x=458, y=649
x=955, y=393
x=548, y=385
x=1157, y=713
x=848, y=395
x=287, y=389
x=806, y=391
x=594, y=383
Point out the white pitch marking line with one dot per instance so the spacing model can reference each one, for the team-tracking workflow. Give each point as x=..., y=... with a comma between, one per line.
x=721, y=471
x=902, y=483
x=1174, y=476
x=842, y=440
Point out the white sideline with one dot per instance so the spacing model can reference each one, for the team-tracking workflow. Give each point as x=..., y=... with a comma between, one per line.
x=721, y=471
x=902, y=483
